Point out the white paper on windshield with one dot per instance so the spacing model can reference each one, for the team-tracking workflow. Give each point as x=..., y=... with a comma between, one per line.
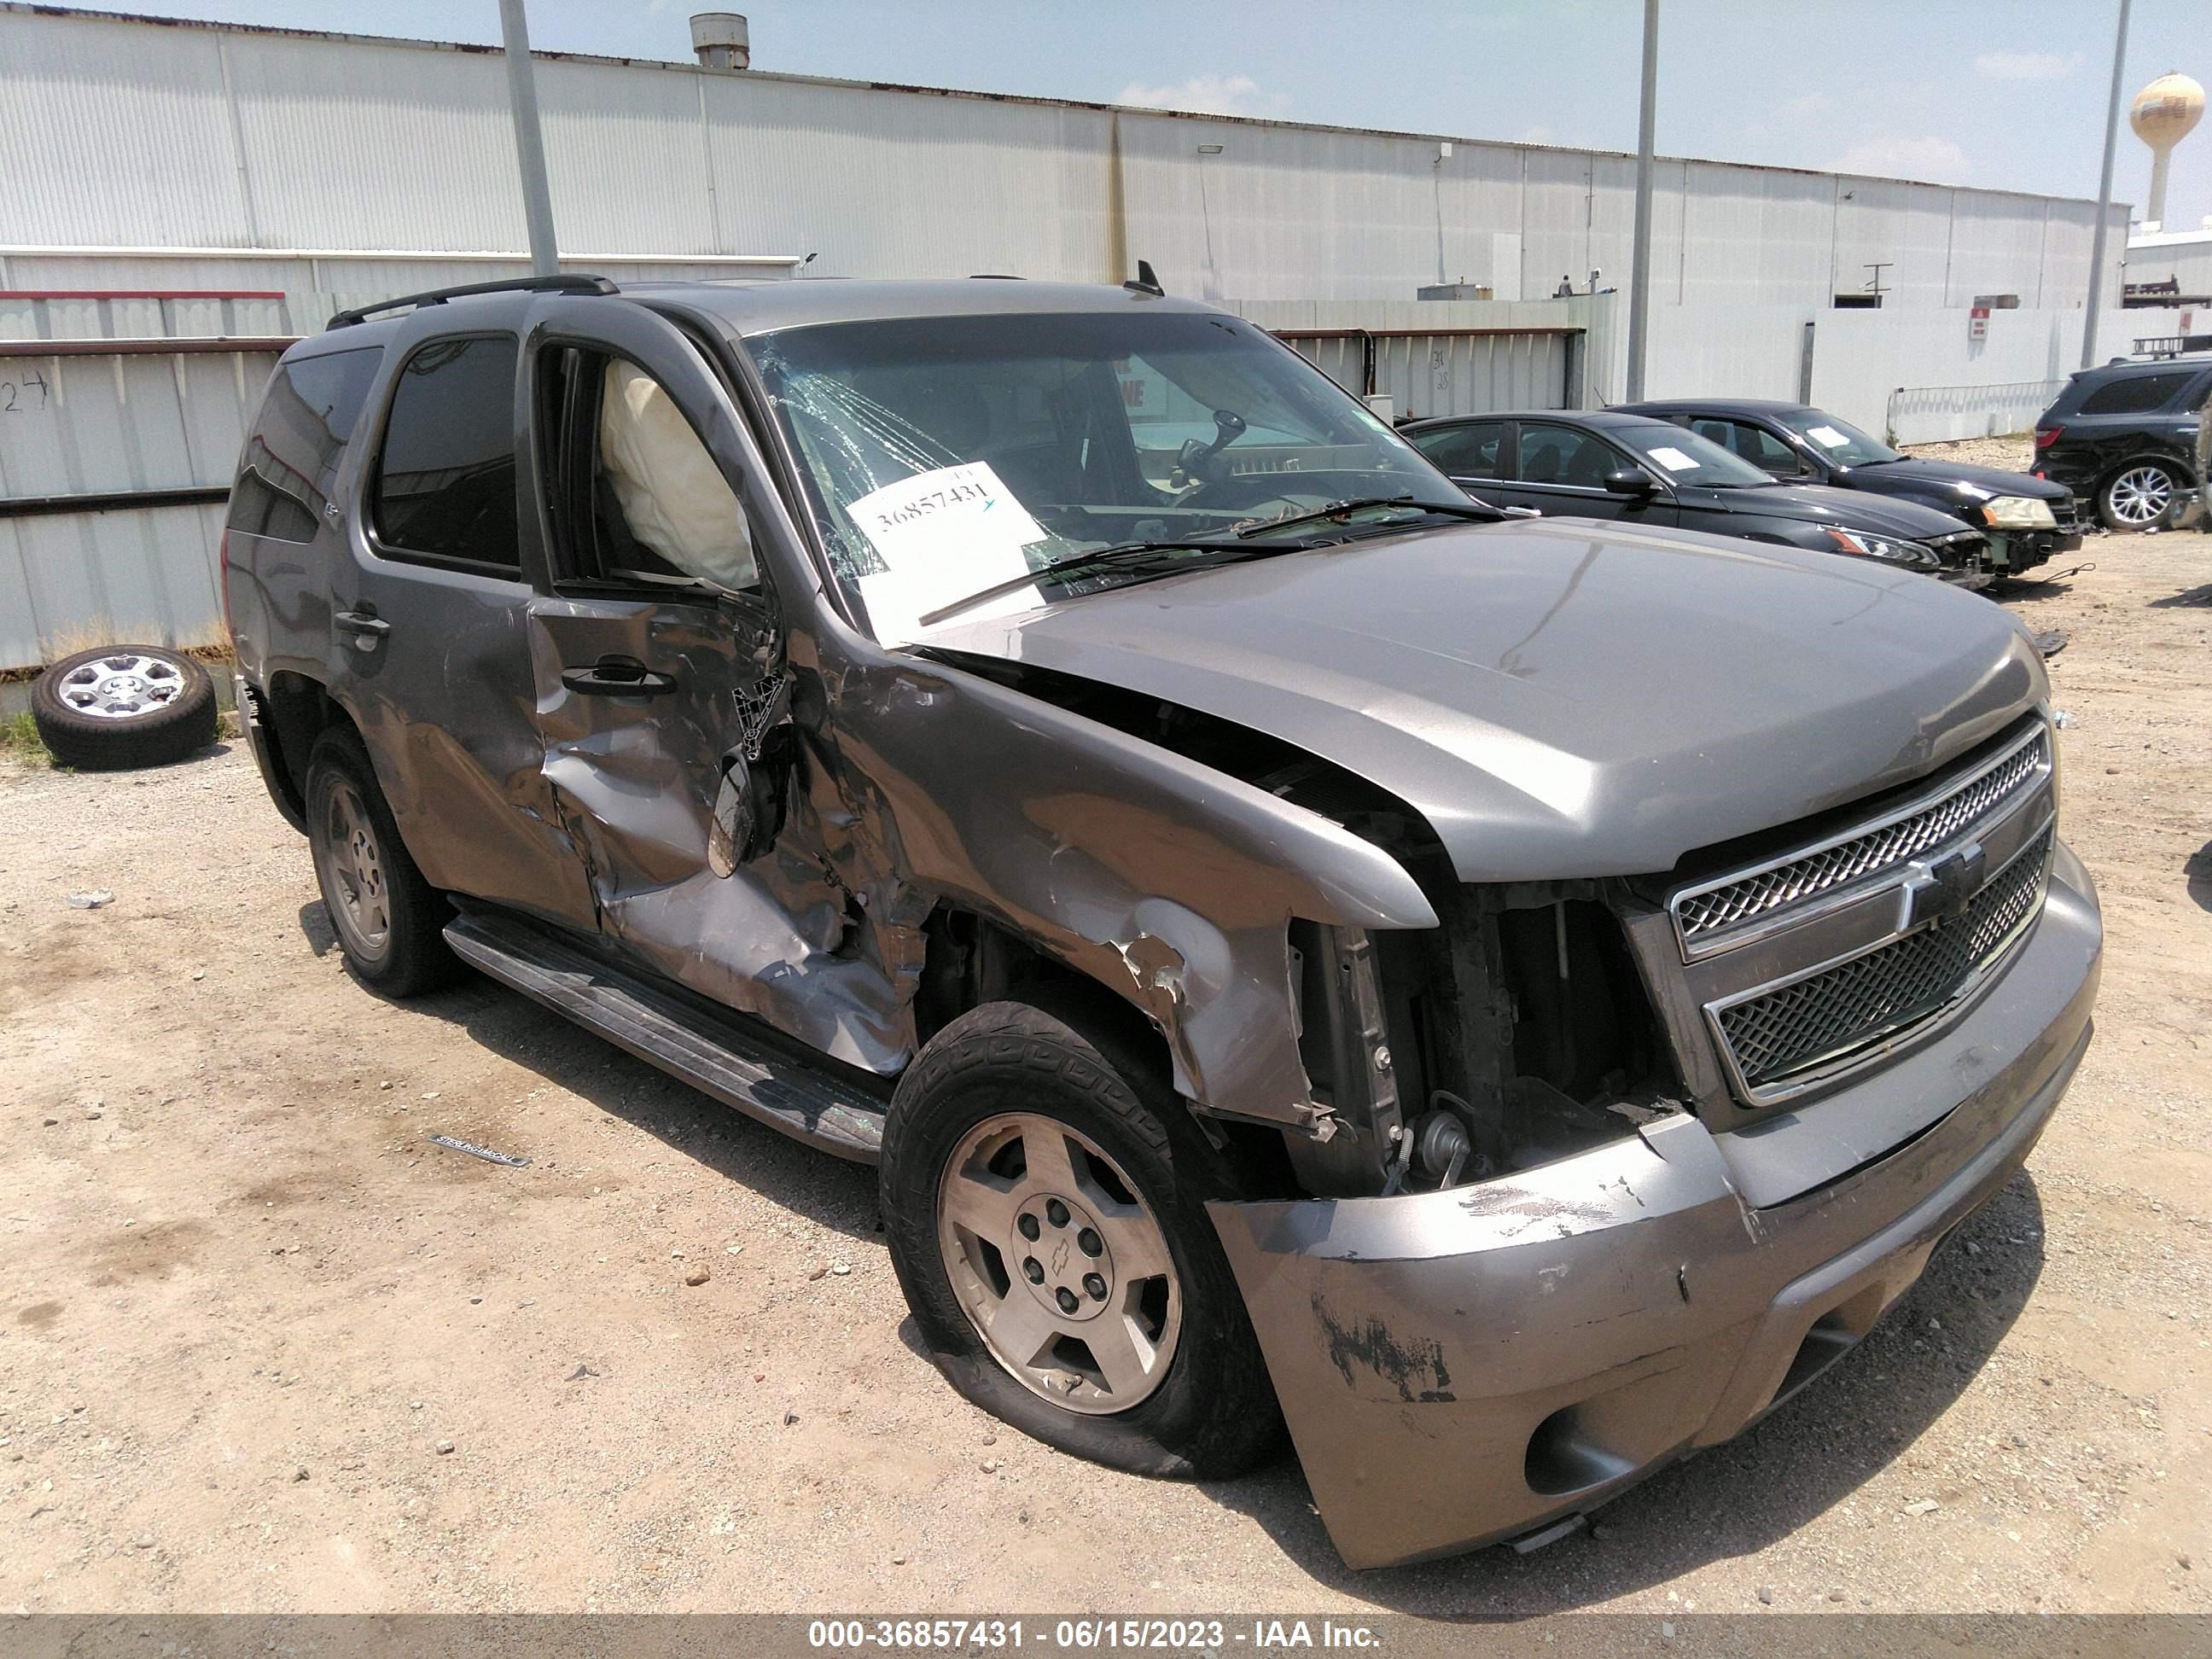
x=943, y=534
x=1672, y=458
x=1826, y=436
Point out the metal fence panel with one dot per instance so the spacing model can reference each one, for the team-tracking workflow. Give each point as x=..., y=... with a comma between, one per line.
x=78, y=424
x=1342, y=357
x=1932, y=414
x=74, y=580
x=1450, y=371
x=105, y=424
x=1428, y=374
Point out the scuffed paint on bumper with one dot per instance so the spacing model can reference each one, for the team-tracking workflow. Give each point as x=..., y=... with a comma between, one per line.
x=1466, y=1366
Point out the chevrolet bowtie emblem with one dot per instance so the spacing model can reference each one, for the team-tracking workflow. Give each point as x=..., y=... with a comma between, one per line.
x=1941, y=889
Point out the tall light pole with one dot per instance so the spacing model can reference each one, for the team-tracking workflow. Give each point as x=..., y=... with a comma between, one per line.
x=1211, y=286
x=1639, y=268
x=2104, y=196
x=528, y=142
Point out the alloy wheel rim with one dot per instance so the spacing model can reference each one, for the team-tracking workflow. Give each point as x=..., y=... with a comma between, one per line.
x=2142, y=496
x=353, y=871
x=1059, y=1263
x=121, y=686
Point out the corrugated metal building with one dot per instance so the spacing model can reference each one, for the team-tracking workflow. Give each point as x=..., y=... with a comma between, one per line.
x=257, y=158
x=161, y=180
x=2182, y=258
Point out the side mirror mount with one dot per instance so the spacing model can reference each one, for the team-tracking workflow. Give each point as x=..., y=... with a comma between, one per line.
x=1629, y=481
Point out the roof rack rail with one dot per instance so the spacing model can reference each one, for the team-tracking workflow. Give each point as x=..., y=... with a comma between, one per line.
x=565, y=283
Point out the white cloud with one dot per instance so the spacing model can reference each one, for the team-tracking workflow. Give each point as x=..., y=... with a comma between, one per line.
x=1207, y=95
x=1805, y=106
x=2026, y=65
x=1937, y=161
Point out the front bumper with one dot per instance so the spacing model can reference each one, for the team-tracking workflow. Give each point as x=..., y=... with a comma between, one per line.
x=2012, y=552
x=1465, y=1366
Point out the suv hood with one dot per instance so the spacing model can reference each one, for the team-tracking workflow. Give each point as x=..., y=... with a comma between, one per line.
x=1954, y=486
x=1564, y=698
x=1825, y=504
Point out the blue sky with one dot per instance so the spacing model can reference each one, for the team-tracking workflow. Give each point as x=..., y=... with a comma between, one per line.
x=2008, y=93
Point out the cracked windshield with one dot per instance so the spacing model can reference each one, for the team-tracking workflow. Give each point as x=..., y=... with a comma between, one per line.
x=1019, y=460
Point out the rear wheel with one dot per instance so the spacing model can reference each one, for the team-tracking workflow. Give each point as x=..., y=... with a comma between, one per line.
x=2138, y=496
x=1044, y=1193
x=389, y=920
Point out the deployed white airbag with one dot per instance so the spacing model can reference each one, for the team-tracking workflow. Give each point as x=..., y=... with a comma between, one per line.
x=672, y=495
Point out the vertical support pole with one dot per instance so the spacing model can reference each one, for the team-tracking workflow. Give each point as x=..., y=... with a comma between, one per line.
x=2104, y=196
x=528, y=142
x=1639, y=275
x=1805, y=366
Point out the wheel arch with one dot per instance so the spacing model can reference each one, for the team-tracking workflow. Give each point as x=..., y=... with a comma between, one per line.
x=291, y=712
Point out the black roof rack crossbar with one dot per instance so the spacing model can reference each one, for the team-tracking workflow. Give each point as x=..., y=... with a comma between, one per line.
x=567, y=282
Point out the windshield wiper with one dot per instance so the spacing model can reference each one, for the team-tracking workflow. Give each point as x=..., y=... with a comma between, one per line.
x=1067, y=563
x=1469, y=509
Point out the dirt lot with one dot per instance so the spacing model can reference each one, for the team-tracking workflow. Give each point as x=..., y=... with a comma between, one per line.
x=262, y=1347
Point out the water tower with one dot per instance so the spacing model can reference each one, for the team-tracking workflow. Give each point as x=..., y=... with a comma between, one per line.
x=2162, y=115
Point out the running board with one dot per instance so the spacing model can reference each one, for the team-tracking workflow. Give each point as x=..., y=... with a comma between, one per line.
x=714, y=1055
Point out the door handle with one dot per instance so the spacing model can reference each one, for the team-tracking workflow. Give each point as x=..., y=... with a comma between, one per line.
x=617, y=677
x=363, y=627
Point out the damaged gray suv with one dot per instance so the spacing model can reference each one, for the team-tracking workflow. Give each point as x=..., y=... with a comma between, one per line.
x=1511, y=1000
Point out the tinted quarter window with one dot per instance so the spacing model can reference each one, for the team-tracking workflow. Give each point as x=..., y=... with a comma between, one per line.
x=299, y=438
x=1465, y=451
x=444, y=482
x=1561, y=455
x=1754, y=444
x=2134, y=394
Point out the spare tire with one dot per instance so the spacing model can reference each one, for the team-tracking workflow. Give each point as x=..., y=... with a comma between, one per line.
x=123, y=705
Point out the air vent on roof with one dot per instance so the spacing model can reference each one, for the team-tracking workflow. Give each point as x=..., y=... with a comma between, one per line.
x=721, y=39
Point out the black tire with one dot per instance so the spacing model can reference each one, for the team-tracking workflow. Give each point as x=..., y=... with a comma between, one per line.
x=176, y=718
x=1213, y=1414
x=408, y=954
x=2115, y=510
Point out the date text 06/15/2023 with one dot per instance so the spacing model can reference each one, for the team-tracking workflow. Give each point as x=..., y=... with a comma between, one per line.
x=1201, y=1636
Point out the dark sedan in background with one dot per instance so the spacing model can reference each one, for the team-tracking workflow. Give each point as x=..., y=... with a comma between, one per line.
x=2123, y=435
x=2027, y=519
x=1641, y=469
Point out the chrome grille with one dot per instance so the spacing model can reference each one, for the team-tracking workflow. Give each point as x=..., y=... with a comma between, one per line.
x=1702, y=916
x=1830, y=1015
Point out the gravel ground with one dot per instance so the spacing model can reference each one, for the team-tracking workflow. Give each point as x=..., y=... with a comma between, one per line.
x=264, y=1348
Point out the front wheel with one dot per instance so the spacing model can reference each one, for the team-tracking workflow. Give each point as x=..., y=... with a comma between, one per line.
x=1044, y=1193
x=2138, y=496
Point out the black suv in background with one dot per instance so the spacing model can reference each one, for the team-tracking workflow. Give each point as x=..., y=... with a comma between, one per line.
x=2123, y=435
x=1611, y=465
x=2027, y=520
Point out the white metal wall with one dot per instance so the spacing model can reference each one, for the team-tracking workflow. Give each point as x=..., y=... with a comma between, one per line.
x=107, y=423
x=117, y=132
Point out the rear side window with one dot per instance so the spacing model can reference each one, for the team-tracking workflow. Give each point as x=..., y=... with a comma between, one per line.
x=1465, y=451
x=292, y=459
x=1561, y=455
x=2134, y=394
x=445, y=480
x=1754, y=444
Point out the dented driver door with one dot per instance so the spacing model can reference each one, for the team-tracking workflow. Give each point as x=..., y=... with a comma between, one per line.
x=657, y=651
